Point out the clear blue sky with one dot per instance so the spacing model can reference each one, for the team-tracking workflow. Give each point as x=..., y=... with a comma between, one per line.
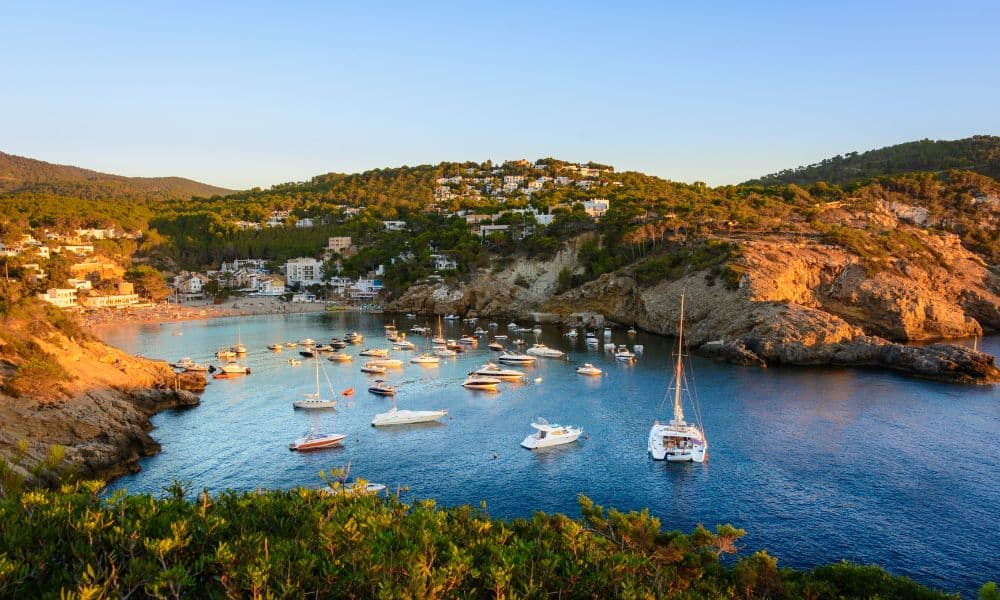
x=248, y=94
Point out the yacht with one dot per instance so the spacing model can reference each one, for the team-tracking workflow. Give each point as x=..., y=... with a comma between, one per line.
x=355, y=337
x=373, y=368
x=418, y=329
x=387, y=362
x=607, y=332
x=496, y=346
x=445, y=352
x=381, y=387
x=323, y=348
x=549, y=434
x=623, y=353
x=275, y=347
x=339, y=357
x=404, y=345
x=588, y=369
x=591, y=340
x=453, y=345
x=314, y=440
x=308, y=352
x=337, y=343
x=196, y=368
x=545, y=351
x=307, y=342
x=182, y=363
x=451, y=317
x=379, y=352
x=481, y=382
x=425, y=359
x=291, y=344
x=678, y=440
x=516, y=358
x=405, y=417
x=226, y=353
x=500, y=337
x=493, y=325
x=314, y=400
x=494, y=370
x=438, y=340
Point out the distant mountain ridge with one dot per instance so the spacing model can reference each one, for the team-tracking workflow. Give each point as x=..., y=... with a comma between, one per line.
x=19, y=175
x=979, y=153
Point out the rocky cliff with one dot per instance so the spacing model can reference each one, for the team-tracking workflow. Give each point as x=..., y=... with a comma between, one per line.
x=788, y=300
x=69, y=389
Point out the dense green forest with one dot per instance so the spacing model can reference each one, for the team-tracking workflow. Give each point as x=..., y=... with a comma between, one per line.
x=341, y=542
x=30, y=176
x=654, y=227
x=979, y=153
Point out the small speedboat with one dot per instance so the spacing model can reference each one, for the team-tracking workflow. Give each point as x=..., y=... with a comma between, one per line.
x=338, y=343
x=231, y=370
x=339, y=357
x=196, y=368
x=387, y=362
x=445, y=352
x=182, y=363
x=481, y=382
x=496, y=346
x=225, y=354
x=623, y=353
x=544, y=351
x=313, y=440
x=275, y=347
x=516, y=358
x=404, y=345
x=589, y=369
x=291, y=344
x=307, y=342
x=373, y=368
x=308, y=352
x=405, y=417
x=550, y=435
x=380, y=352
x=380, y=387
x=425, y=359
x=494, y=370
x=453, y=345
x=324, y=348
x=355, y=338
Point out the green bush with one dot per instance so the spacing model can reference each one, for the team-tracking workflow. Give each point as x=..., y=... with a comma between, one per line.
x=305, y=543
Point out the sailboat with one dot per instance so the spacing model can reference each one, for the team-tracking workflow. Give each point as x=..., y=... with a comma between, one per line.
x=314, y=400
x=239, y=348
x=678, y=440
x=439, y=338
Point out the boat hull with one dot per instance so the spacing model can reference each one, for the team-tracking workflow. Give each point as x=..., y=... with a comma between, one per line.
x=533, y=442
x=305, y=445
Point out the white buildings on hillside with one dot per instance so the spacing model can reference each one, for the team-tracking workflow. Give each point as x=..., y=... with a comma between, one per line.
x=243, y=263
x=596, y=207
x=63, y=298
x=190, y=286
x=394, y=225
x=341, y=245
x=304, y=223
x=304, y=271
x=365, y=289
x=443, y=262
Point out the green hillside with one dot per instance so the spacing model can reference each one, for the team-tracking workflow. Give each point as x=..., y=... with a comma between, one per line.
x=980, y=153
x=20, y=175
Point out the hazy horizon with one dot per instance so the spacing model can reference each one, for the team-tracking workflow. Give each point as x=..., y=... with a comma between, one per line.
x=253, y=96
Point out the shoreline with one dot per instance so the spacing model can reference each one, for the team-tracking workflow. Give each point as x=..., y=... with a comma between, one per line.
x=199, y=310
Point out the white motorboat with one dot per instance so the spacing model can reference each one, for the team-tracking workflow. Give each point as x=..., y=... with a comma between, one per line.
x=196, y=368
x=404, y=345
x=411, y=315
x=500, y=337
x=544, y=351
x=678, y=440
x=468, y=340
x=609, y=347
x=438, y=340
x=339, y=357
x=512, y=325
x=516, y=358
x=493, y=325
x=452, y=317
x=548, y=435
x=479, y=331
x=314, y=400
x=572, y=333
x=425, y=359
x=294, y=362
x=494, y=370
x=418, y=329
x=226, y=353
x=588, y=369
x=380, y=387
x=275, y=347
x=537, y=330
x=607, y=332
x=387, y=362
x=405, y=417
x=445, y=352
x=591, y=340
x=307, y=342
x=379, y=352
x=355, y=337
x=623, y=353
x=373, y=368
x=481, y=382
x=182, y=363
x=496, y=346
x=291, y=344
x=231, y=370
x=314, y=440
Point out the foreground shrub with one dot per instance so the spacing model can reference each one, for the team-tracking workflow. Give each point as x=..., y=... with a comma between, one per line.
x=302, y=543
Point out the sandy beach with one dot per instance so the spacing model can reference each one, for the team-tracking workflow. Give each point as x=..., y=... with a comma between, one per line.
x=196, y=310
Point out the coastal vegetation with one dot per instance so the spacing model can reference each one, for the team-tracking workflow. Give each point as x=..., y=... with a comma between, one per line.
x=338, y=541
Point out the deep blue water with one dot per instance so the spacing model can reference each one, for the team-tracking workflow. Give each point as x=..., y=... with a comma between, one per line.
x=817, y=465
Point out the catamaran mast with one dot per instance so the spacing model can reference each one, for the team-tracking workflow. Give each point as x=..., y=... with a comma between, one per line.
x=679, y=368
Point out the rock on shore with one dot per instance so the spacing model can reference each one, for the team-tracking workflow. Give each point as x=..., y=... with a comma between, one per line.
x=797, y=303
x=99, y=413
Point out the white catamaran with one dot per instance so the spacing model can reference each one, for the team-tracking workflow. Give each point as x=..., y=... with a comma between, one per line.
x=678, y=440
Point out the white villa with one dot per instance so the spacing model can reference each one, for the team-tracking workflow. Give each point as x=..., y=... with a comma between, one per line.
x=305, y=271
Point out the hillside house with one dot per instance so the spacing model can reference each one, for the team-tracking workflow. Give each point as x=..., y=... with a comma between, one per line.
x=303, y=271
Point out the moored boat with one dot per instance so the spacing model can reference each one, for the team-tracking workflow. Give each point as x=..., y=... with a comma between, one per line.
x=231, y=370
x=494, y=370
x=373, y=368
x=314, y=440
x=379, y=352
x=588, y=369
x=339, y=357
x=544, y=351
x=516, y=358
x=406, y=417
x=548, y=435
x=481, y=382
x=380, y=387
x=425, y=359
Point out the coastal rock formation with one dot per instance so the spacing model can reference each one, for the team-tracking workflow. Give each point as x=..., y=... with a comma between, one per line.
x=797, y=302
x=97, y=403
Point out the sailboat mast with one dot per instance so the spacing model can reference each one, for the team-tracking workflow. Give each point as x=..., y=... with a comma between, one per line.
x=679, y=368
x=317, y=374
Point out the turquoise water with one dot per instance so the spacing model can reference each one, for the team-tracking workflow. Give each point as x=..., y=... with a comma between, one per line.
x=817, y=465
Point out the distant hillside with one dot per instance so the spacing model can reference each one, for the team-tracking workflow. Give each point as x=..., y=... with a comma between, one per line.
x=979, y=153
x=19, y=175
